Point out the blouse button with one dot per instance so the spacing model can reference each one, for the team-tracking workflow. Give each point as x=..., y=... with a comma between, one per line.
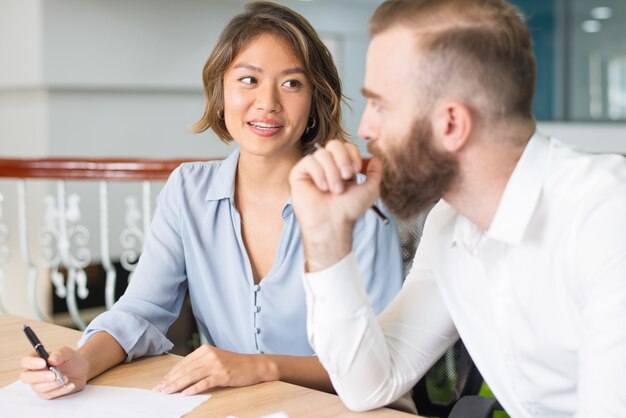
x=257, y=309
x=257, y=330
x=257, y=288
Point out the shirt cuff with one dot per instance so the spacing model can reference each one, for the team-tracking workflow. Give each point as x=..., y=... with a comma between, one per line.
x=339, y=287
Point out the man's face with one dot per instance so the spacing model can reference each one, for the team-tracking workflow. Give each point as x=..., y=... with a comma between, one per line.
x=415, y=173
x=398, y=129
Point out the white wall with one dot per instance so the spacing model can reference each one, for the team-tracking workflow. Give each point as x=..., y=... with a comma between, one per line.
x=20, y=43
x=592, y=137
x=128, y=73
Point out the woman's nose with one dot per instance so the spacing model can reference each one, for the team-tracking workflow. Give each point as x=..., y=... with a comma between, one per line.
x=268, y=99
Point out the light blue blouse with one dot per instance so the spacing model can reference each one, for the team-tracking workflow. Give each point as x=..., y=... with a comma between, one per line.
x=195, y=242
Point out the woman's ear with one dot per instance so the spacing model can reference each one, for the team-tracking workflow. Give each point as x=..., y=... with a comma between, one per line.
x=452, y=125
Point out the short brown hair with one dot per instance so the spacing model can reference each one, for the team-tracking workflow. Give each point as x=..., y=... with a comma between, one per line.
x=270, y=18
x=481, y=48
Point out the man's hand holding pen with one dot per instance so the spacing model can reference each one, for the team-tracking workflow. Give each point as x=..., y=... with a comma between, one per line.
x=328, y=202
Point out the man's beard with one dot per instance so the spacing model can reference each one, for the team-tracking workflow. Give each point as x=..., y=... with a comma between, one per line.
x=416, y=174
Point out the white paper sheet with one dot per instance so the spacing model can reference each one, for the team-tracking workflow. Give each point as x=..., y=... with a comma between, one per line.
x=18, y=400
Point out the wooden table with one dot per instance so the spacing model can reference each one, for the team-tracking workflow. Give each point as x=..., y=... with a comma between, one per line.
x=251, y=401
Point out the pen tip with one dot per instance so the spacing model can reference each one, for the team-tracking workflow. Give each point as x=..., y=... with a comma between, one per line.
x=25, y=326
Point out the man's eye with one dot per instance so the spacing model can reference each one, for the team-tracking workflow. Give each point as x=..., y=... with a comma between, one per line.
x=292, y=83
x=248, y=80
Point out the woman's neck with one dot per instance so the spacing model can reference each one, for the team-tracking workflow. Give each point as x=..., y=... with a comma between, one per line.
x=262, y=178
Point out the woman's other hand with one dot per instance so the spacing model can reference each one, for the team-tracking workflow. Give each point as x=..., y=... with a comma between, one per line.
x=209, y=367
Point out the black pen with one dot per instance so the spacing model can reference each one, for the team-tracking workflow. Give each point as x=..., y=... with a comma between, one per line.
x=39, y=348
x=375, y=208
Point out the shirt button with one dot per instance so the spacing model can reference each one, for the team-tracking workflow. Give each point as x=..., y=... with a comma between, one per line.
x=261, y=352
x=257, y=288
x=256, y=309
x=257, y=330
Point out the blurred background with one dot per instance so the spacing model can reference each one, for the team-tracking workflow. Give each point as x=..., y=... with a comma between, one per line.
x=119, y=78
x=122, y=78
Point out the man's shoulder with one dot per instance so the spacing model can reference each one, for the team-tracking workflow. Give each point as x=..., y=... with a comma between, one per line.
x=579, y=176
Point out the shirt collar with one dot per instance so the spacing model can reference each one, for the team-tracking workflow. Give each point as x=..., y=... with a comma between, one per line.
x=518, y=201
x=223, y=182
x=521, y=193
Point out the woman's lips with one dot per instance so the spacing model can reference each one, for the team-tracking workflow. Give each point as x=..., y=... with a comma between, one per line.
x=265, y=128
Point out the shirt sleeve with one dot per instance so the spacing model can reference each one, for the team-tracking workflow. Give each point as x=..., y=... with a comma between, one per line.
x=371, y=361
x=153, y=299
x=602, y=356
x=377, y=250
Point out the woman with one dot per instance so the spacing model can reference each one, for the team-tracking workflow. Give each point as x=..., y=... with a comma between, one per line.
x=226, y=231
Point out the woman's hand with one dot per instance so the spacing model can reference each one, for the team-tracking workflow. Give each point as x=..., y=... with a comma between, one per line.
x=209, y=367
x=70, y=363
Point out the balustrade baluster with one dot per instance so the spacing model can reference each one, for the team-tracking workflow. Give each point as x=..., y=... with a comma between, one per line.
x=33, y=271
x=111, y=274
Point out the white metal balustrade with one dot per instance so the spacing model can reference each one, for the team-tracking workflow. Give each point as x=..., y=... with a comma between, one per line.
x=64, y=237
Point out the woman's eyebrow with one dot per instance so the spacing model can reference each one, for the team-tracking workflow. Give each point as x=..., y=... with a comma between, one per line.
x=293, y=70
x=248, y=66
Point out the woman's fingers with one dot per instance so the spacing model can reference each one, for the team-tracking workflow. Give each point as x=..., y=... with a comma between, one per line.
x=185, y=367
x=33, y=362
x=186, y=380
x=210, y=367
x=56, y=391
x=31, y=377
x=182, y=379
x=45, y=387
x=205, y=384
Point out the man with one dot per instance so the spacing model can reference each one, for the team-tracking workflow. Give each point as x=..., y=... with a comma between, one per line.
x=525, y=255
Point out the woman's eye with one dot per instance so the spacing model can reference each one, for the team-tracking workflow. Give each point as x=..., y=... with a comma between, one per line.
x=292, y=83
x=248, y=80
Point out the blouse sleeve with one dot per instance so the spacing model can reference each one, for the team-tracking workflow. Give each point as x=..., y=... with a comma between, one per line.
x=153, y=299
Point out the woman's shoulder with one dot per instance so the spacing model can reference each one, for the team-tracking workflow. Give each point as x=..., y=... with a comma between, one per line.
x=199, y=168
x=205, y=170
x=194, y=177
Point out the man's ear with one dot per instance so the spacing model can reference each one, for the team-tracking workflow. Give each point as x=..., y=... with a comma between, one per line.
x=452, y=125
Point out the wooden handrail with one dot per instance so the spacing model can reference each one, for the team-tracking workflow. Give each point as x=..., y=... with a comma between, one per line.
x=89, y=169
x=121, y=169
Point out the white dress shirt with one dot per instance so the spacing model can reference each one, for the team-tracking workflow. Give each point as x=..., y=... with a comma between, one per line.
x=539, y=299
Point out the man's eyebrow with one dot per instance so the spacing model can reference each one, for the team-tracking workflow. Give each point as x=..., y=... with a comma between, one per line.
x=368, y=94
x=288, y=71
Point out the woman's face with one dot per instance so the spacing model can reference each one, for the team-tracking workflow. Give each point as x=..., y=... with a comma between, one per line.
x=267, y=98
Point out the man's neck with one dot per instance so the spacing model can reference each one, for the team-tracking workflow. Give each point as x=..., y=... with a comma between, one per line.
x=485, y=170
